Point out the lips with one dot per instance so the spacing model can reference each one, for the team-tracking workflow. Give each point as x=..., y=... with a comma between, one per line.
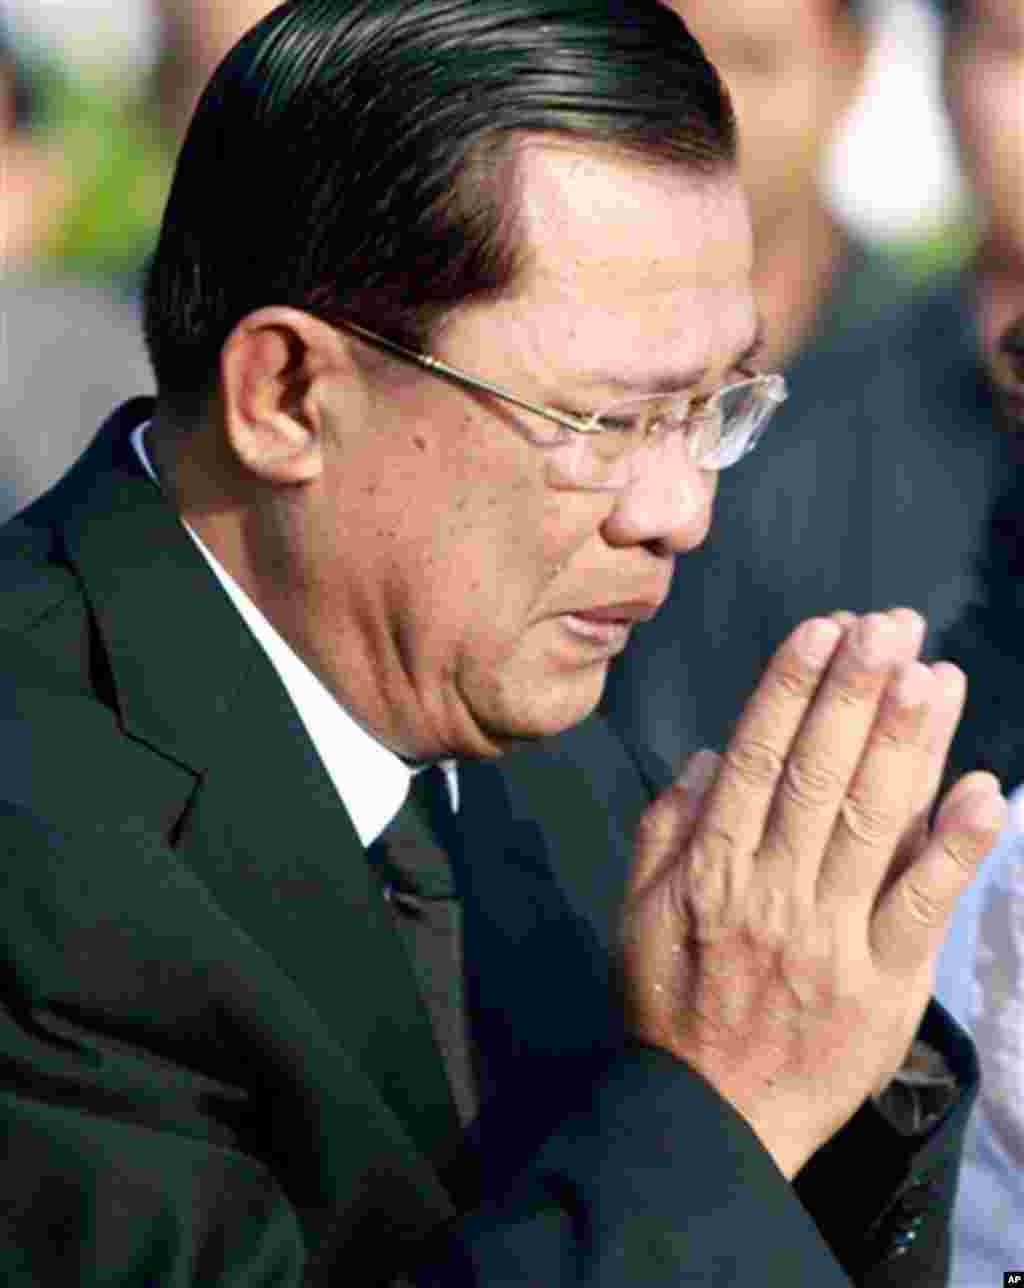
x=627, y=614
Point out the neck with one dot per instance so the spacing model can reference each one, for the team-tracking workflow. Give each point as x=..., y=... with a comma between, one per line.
x=796, y=265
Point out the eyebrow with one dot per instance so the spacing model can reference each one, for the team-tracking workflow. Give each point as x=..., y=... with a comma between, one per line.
x=669, y=382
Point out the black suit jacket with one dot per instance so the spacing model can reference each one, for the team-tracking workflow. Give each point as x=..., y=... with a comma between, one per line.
x=215, y=1066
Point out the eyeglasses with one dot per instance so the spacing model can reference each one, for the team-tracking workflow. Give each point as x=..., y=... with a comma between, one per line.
x=597, y=450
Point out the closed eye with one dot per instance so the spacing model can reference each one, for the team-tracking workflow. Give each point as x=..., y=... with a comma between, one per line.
x=620, y=424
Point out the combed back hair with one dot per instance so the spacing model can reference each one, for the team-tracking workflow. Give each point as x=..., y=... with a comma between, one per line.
x=356, y=158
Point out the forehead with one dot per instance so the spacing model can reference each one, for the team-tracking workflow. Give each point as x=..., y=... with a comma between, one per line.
x=1009, y=13
x=632, y=264
x=727, y=24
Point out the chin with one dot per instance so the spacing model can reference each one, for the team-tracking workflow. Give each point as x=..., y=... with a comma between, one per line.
x=545, y=712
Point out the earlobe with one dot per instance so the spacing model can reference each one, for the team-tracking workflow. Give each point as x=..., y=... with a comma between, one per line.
x=271, y=366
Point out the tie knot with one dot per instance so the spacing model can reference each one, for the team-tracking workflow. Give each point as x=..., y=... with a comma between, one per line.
x=411, y=852
x=428, y=790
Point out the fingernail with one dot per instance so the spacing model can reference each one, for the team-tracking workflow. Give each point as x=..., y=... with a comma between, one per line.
x=913, y=685
x=986, y=809
x=817, y=639
x=951, y=680
x=700, y=771
x=912, y=622
x=982, y=805
x=873, y=638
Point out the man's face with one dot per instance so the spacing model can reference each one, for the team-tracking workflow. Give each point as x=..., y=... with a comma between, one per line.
x=792, y=68
x=986, y=99
x=985, y=90
x=487, y=601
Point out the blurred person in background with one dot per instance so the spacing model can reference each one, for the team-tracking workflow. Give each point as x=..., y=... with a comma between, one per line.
x=66, y=348
x=794, y=69
x=981, y=971
x=984, y=81
x=194, y=36
x=980, y=977
x=886, y=456
x=122, y=138
x=34, y=185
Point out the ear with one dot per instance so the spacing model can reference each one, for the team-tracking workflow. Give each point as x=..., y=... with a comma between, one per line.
x=276, y=368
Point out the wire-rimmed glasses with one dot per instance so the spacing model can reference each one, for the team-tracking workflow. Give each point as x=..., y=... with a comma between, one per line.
x=597, y=450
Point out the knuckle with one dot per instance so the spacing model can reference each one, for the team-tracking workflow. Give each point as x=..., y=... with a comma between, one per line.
x=793, y=680
x=702, y=905
x=922, y=906
x=707, y=887
x=964, y=853
x=901, y=730
x=851, y=690
x=656, y=825
x=869, y=822
x=754, y=761
x=811, y=782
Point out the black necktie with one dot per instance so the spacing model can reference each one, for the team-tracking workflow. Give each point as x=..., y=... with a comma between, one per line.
x=416, y=876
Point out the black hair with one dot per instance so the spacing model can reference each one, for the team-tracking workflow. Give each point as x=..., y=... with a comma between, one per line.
x=25, y=96
x=351, y=158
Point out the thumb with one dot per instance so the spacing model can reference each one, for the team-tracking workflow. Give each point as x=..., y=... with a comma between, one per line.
x=666, y=825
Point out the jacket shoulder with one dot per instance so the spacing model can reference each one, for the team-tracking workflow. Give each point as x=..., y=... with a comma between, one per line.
x=43, y=618
x=35, y=579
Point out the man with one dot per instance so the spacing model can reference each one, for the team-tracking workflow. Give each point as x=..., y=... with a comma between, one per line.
x=264, y=1023
x=48, y=324
x=793, y=71
x=984, y=73
x=887, y=455
x=980, y=974
x=193, y=39
x=35, y=179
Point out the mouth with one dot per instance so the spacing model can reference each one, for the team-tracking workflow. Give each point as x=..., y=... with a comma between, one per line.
x=609, y=625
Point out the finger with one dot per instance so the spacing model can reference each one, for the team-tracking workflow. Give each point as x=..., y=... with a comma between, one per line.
x=947, y=707
x=882, y=797
x=951, y=689
x=830, y=744
x=733, y=819
x=843, y=618
x=667, y=824
x=910, y=921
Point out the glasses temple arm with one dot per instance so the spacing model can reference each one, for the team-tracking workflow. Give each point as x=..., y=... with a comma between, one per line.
x=440, y=368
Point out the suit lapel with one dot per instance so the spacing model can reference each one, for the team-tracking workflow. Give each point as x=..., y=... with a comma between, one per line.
x=265, y=830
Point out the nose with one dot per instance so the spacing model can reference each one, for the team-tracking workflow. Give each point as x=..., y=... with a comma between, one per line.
x=667, y=502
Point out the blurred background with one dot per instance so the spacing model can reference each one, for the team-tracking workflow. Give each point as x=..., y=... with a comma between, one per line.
x=94, y=98
x=113, y=82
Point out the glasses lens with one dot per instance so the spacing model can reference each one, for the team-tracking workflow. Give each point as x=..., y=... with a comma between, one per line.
x=717, y=434
x=744, y=411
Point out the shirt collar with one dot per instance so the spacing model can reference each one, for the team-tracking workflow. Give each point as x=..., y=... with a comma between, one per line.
x=370, y=779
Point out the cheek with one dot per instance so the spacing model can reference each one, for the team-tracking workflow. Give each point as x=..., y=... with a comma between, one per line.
x=779, y=140
x=992, y=130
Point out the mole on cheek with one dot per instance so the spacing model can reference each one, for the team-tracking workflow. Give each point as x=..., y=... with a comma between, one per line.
x=419, y=442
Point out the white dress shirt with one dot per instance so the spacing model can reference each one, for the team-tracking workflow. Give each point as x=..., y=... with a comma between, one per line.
x=981, y=981
x=370, y=779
